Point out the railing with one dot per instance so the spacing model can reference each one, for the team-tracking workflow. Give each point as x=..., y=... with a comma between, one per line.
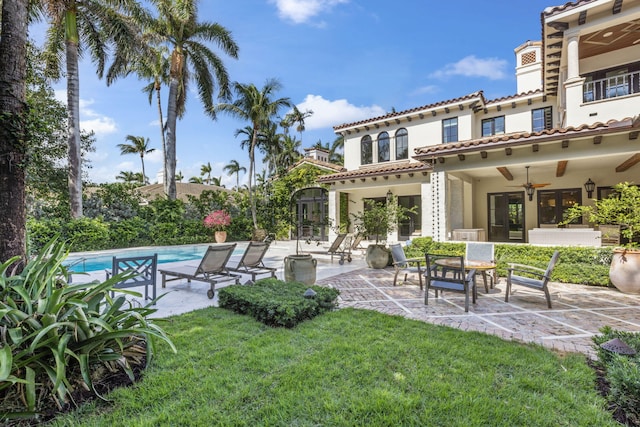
x=611, y=87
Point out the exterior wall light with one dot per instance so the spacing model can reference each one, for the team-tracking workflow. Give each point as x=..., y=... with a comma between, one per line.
x=589, y=186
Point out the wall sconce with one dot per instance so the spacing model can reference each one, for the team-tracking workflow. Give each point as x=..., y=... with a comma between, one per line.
x=589, y=186
x=389, y=195
x=530, y=191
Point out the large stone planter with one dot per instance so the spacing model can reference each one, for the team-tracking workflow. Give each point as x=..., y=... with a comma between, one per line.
x=300, y=268
x=377, y=256
x=625, y=270
x=220, y=236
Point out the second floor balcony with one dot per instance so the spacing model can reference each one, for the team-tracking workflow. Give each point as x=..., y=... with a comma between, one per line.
x=611, y=87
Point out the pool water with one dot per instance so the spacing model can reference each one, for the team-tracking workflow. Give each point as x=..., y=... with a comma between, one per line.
x=102, y=260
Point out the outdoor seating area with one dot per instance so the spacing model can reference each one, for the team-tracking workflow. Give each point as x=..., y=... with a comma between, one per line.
x=523, y=315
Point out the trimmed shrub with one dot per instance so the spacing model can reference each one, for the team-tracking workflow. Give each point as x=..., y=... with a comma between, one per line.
x=277, y=303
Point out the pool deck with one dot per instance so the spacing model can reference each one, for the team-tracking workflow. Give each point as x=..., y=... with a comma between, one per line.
x=578, y=313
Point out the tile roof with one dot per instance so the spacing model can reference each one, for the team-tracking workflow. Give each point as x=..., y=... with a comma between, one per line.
x=552, y=10
x=319, y=163
x=377, y=170
x=517, y=138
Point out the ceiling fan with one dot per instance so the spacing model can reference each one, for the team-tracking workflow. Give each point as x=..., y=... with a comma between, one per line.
x=530, y=187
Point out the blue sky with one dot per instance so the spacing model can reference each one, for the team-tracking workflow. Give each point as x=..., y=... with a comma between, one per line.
x=345, y=60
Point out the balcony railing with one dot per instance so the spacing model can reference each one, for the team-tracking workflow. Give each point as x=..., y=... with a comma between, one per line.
x=611, y=87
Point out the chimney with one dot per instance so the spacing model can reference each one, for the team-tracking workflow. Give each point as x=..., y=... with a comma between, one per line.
x=529, y=67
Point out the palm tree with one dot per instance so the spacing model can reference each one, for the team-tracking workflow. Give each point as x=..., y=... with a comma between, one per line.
x=179, y=177
x=234, y=168
x=196, y=180
x=297, y=116
x=89, y=25
x=289, y=153
x=334, y=155
x=217, y=181
x=177, y=26
x=138, y=146
x=257, y=107
x=130, y=177
x=206, y=170
x=13, y=71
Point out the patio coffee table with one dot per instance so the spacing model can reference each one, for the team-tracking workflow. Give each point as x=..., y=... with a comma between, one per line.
x=481, y=266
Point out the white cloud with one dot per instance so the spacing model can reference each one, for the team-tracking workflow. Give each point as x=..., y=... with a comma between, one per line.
x=155, y=157
x=425, y=90
x=329, y=113
x=470, y=66
x=300, y=11
x=90, y=120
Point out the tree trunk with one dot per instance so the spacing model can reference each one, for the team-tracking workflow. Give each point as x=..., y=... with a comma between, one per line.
x=170, y=161
x=164, y=144
x=73, y=106
x=13, y=146
x=252, y=161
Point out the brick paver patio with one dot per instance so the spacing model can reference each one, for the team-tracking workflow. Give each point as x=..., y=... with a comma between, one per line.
x=578, y=311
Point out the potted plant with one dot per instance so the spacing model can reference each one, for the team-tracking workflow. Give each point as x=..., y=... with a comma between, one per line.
x=218, y=221
x=376, y=221
x=621, y=209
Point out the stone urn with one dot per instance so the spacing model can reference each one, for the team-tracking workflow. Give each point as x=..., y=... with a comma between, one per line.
x=624, y=272
x=220, y=236
x=377, y=256
x=300, y=268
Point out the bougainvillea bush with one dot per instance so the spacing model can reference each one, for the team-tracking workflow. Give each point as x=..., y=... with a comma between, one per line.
x=217, y=220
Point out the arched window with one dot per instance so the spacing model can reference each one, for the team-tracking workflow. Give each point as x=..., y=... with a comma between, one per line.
x=383, y=147
x=366, y=150
x=402, y=144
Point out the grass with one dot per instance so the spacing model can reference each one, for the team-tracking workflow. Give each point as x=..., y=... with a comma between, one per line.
x=348, y=368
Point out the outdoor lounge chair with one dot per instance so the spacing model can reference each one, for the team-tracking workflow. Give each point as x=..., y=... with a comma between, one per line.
x=532, y=277
x=341, y=246
x=459, y=282
x=251, y=261
x=402, y=263
x=212, y=269
x=144, y=268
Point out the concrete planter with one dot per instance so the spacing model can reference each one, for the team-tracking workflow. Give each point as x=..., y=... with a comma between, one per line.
x=624, y=272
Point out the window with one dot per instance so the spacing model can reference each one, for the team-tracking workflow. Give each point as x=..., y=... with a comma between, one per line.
x=366, y=150
x=552, y=204
x=383, y=147
x=493, y=126
x=541, y=119
x=402, y=144
x=450, y=130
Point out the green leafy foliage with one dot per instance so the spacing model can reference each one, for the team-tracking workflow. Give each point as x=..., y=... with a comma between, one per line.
x=277, y=303
x=622, y=372
x=377, y=219
x=58, y=337
x=577, y=264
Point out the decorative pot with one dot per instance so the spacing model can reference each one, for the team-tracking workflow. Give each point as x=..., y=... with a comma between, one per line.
x=624, y=272
x=377, y=256
x=300, y=268
x=220, y=236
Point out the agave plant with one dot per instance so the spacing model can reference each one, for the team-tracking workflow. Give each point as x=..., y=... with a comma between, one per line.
x=55, y=337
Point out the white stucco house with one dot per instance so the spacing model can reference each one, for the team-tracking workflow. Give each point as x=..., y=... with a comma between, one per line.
x=504, y=170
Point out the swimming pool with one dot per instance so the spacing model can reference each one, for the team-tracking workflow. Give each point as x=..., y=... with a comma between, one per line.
x=84, y=262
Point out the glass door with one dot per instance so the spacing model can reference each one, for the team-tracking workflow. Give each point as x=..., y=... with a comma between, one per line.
x=506, y=217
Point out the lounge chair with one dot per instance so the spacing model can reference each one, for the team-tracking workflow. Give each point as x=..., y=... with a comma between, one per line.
x=357, y=240
x=341, y=246
x=212, y=269
x=144, y=268
x=251, y=261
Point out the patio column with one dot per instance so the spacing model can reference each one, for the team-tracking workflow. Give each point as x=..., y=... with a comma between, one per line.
x=334, y=212
x=439, y=219
x=573, y=85
x=573, y=58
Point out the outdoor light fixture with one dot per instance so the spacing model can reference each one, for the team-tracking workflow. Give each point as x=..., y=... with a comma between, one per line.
x=589, y=186
x=530, y=191
x=309, y=293
x=389, y=195
x=618, y=346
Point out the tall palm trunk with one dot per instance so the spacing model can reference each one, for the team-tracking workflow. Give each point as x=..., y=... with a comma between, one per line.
x=73, y=106
x=13, y=53
x=170, y=160
x=252, y=200
x=164, y=143
x=144, y=175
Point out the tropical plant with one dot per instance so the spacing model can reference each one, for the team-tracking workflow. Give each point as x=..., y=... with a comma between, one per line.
x=179, y=177
x=621, y=208
x=297, y=117
x=96, y=26
x=196, y=180
x=234, y=168
x=138, y=145
x=13, y=109
x=289, y=153
x=258, y=107
x=130, y=177
x=177, y=26
x=61, y=337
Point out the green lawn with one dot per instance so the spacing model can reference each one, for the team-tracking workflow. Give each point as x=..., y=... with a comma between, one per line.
x=349, y=368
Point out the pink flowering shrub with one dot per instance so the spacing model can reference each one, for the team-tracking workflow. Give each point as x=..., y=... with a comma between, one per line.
x=217, y=220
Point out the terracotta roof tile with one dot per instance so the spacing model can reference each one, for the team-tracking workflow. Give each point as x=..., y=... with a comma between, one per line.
x=516, y=138
x=552, y=10
x=377, y=170
x=319, y=163
x=478, y=94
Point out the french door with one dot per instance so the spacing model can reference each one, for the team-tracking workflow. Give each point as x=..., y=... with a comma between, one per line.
x=506, y=216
